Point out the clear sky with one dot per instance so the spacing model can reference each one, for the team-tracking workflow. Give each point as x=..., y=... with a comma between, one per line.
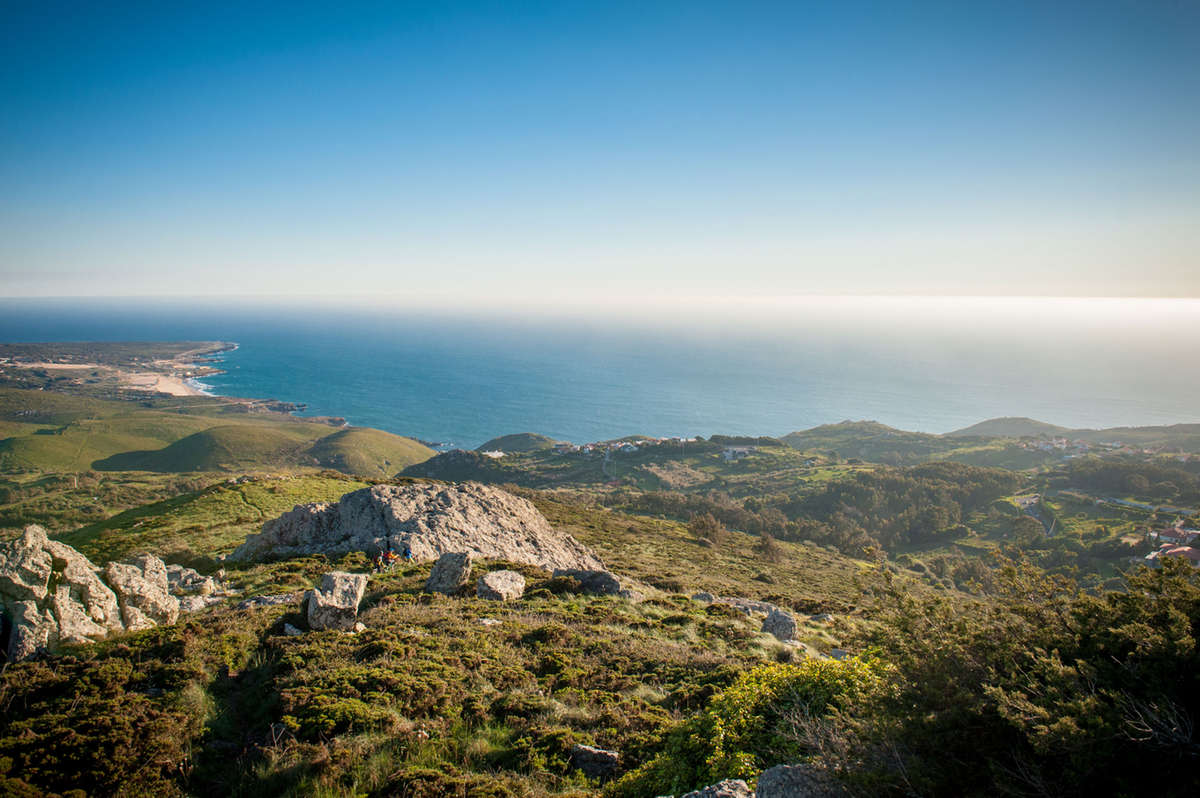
x=497, y=152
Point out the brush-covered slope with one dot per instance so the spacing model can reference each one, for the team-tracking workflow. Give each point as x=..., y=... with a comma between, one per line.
x=518, y=442
x=368, y=452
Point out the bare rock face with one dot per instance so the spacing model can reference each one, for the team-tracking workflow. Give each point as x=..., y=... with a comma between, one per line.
x=729, y=788
x=334, y=605
x=450, y=572
x=500, y=586
x=142, y=589
x=426, y=520
x=780, y=623
x=797, y=781
x=54, y=595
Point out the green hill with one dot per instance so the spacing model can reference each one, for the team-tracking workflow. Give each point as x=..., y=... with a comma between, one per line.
x=1010, y=427
x=368, y=452
x=225, y=448
x=47, y=431
x=519, y=442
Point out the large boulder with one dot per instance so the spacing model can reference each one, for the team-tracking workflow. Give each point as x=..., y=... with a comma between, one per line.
x=595, y=763
x=142, y=590
x=780, y=623
x=334, y=605
x=450, y=573
x=500, y=586
x=428, y=521
x=797, y=781
x=729, y=788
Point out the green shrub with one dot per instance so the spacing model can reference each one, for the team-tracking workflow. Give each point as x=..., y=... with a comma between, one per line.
x=744, y=728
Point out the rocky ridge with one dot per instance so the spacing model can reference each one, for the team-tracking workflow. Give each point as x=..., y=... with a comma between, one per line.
x=54, y=595
x=426, y=520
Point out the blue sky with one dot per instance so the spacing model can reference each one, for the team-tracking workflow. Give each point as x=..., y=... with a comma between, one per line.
x=509, y=151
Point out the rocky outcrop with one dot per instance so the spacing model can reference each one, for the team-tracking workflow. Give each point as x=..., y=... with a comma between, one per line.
x=141, y=588
x=500, y=586
x=54, y=595
x=450, y=573
x=334, y=605
x=729, y=788
x=781, y=624
x=595, y=763
x=428, y=521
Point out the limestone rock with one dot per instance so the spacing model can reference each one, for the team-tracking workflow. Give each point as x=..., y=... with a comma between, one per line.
x=780, y=623
x=292, y=631
x=796, y=781
x=183, y=581
x=53, y=595
x=25, y=566
x=334, y=605
x=429, y=520
x=821, y=617
x=197, y=603
x=272, y=600
x=490, y=621
x=595, y=581
x=704, y=597
x=450, y=572
x=595, y=763
x=141, y=587
x=729, y=788
x=500, y=585
x=33, y=631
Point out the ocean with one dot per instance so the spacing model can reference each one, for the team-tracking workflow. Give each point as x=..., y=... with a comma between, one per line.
x=738, y=367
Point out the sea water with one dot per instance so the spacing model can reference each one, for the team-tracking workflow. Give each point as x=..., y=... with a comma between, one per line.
x=738, y=367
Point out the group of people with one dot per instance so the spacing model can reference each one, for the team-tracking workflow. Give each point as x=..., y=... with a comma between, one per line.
x=384, y=560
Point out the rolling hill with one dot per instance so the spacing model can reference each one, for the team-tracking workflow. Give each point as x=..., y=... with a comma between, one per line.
x=518, y=442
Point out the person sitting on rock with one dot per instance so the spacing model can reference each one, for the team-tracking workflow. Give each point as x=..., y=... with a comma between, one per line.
x=407, y=553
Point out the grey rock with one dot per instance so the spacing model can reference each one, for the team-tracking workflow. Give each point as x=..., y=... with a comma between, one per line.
x=34, y=631
x=595, y=763
x=500, y=586
x=429, y=520
x=292, y=631
x=25, y=566
x=840, y=653
x=54, y=595
x=197, y=603
x=704, y=597
x=729, y=788
x=450, y=573
x=797, y=781
x=821, y=617
x=595, y=581
x=334, y=605
x=781, y=624
x=183, y=581
x=141, y=587
x=273, y=600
